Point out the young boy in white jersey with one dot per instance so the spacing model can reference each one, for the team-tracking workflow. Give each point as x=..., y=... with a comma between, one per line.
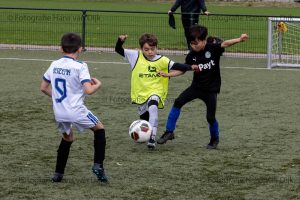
x=67, y=81
x=148, y=89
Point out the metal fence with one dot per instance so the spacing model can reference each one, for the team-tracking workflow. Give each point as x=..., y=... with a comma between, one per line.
x=42, y=29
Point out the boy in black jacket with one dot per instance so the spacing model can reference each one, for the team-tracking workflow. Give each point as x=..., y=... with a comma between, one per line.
x=190, y=11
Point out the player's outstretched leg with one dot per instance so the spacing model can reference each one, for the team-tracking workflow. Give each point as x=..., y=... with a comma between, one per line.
x=99, y=155
x=214, y=135
x=153, y=120
x=170, y=127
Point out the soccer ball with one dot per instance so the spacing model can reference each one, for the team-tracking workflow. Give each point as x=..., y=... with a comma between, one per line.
x=140, y=131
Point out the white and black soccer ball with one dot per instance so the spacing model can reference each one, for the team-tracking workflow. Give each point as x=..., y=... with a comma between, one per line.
x=140, y=131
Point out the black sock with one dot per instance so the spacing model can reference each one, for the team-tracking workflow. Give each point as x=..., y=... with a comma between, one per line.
x=145, y=116
x=99, y=147
x=62, y=156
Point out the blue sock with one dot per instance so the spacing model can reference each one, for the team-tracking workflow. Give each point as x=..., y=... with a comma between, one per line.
x=214, y=130
x=172, y=118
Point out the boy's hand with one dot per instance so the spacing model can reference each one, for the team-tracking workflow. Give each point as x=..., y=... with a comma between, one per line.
x=163, y=74
x=95, y=82
x=172, y=73
x=206, y=13
x=244, y=37
x=123, y=37
x=195, y=68
x=91, y=87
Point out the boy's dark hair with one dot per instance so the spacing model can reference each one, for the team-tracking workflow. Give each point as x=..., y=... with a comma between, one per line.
x=197, y=32
x=70, y=42
x=148, y=38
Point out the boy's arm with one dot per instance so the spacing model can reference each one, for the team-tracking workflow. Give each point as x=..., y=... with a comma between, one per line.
x=228, y=43
x=181, y=67
x=119, y=45
x=45, y=88
x=172, y=73
x=91, y=87
x=184, y=67
x=175, y=6
x=203, y=7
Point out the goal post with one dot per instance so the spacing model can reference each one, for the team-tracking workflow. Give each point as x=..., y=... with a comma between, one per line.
x=283, y=42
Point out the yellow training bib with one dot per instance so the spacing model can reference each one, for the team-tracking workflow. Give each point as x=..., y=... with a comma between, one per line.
x=146, y=82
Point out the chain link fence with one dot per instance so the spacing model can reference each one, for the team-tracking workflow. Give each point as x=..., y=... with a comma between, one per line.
x=42, y=29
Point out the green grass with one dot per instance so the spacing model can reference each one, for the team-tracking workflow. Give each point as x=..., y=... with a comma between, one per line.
x=102, y=29
x=258, y=156
x=258, y=8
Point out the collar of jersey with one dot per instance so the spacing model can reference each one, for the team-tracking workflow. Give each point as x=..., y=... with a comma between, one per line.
x=68, y=57
x=156, y=57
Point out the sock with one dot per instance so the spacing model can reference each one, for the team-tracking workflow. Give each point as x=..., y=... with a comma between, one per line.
x=172, y=119
x=214, y=130
x=153, y=119
x=99, y=147
x=145, y=116
x=62, y=156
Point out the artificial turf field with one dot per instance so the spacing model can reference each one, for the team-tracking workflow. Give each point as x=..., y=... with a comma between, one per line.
x=258, y=156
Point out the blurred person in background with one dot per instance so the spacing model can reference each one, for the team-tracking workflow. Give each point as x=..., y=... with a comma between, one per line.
x=190, y=11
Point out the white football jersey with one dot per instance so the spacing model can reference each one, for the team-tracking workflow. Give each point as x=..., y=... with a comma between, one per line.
x=67, y=76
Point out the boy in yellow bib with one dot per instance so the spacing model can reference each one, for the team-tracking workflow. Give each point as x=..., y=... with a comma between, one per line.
x=148, y=89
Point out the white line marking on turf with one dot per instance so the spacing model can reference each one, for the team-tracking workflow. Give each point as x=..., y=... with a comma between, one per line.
x=26, y=59
x=243, y=68
x=45, y=60
x=124, y=63
x=260, y=68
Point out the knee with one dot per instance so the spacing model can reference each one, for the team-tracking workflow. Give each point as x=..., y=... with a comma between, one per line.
x=178, y=103
x=68, y=137
x=211, y=120
x=98, y=126
x=153, y=109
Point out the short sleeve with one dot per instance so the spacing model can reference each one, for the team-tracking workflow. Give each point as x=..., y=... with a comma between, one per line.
x=47, y=75
x=219, y=50
x=171, y=63
x=131, y=56
x=84, y=75
x=188, y=59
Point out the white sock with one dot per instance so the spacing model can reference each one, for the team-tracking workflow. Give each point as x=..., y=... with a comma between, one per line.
x=153, y=118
